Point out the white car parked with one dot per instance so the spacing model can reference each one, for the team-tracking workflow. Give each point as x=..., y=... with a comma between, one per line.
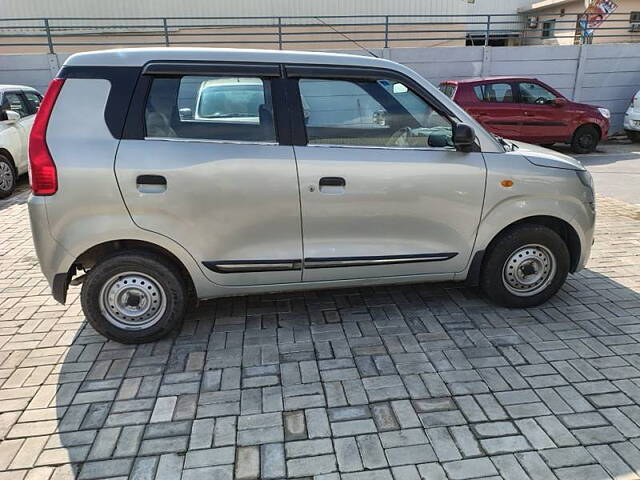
x=632, y=119
x=18, y=105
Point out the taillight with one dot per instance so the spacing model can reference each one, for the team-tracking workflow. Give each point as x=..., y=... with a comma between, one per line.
x=42, y=169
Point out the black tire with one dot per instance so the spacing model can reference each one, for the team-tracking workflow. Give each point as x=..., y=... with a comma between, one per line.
x=633, y=136
x=585, y=139
x=9, y=174
x=169, y=284
x=497, y=265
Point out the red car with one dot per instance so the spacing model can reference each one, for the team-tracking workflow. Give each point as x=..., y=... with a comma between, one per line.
x=528, y=110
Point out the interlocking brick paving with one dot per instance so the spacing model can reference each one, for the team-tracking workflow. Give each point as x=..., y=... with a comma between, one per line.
x=411, y=382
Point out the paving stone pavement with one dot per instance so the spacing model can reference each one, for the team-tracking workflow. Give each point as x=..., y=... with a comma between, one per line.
x=407, y=382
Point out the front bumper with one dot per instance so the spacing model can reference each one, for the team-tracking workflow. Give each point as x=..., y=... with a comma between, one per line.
x=632, y=120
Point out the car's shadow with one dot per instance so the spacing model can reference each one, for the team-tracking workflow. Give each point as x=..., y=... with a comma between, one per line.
x=119, y=407
x=19, y=196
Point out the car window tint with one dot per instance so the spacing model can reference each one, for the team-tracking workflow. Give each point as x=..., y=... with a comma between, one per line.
x=211, y=108
x=534, y=93
x=371, y=113
x=13, y=101
x=33, y=101
x=494, y=92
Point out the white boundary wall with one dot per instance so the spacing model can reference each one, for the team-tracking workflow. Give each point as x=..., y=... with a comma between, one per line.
x=604, y=75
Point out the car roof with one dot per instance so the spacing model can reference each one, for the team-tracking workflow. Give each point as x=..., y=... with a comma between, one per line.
x=139, y=56
x=460, y=81
x=4, y=88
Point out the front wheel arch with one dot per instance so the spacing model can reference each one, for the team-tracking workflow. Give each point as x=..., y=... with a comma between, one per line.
x=561, y=227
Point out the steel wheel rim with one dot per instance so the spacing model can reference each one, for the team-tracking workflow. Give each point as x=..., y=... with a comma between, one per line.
x=6, y=177
x=529, y=270
x=132, y=301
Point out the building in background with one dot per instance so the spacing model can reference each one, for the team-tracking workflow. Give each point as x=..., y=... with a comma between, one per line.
x=74, y=25
x=67, y=26
x=558, y=22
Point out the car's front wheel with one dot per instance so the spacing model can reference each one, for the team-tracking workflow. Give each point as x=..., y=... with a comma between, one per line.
x=525, y=267
x=134, y=297
x=585, y=139
x=7, y=177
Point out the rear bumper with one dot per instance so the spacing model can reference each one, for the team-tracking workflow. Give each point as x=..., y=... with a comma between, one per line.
x=53, y=258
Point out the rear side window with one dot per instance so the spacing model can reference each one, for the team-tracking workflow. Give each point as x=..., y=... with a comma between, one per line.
x=210, y=108
x=447, y=89
x=494, y=92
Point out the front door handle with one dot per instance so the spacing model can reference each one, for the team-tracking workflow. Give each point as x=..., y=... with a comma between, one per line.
x=332, y=182
x=332, y=185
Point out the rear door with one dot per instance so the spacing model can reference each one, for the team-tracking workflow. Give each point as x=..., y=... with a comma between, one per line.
x=541, y=121
x=494, y=106
x=212, y=169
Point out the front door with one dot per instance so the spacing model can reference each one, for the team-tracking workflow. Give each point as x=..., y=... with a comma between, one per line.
x=383, y=191
x=541, y=121
x=211, y=175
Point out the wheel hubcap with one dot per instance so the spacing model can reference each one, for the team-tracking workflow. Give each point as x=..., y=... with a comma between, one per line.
x=529, y=270
x=132, y=301
x=6, y=177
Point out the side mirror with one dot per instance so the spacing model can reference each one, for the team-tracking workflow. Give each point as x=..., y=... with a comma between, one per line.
x=185, y=114
x=11, y=116
x=464, y=137
x=559, y=102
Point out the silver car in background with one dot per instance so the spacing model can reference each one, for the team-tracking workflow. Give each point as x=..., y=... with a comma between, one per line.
x=324, y=170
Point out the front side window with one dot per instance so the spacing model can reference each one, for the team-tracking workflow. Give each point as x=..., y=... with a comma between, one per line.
x=532, y=93
x=494, y=92
x=13, y=101
x=211, y=108
x=33, y=101
x=371, y=113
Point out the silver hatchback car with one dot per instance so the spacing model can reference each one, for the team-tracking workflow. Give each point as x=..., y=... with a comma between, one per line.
x=296, y=171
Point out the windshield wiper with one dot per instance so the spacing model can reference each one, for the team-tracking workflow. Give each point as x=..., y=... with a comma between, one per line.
x=509, y=146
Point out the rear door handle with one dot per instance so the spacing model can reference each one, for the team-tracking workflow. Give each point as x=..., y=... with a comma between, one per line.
x=151, y=180
x=151, y=183
x=332, y=182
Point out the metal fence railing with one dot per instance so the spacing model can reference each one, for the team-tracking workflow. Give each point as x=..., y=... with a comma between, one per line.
x=60, y=35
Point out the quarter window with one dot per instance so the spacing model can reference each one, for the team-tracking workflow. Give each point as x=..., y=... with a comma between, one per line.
x=211, y=108
x=371, y=113
x=532, y=93
x=494, y=92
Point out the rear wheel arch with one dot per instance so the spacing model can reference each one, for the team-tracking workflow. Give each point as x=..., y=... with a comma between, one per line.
x=102, y=251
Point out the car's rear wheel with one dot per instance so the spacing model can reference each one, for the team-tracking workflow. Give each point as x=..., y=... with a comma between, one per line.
x=633, y=136
x=525, y=267
x=8, y=177
x=134, y=297
x=585, y=139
